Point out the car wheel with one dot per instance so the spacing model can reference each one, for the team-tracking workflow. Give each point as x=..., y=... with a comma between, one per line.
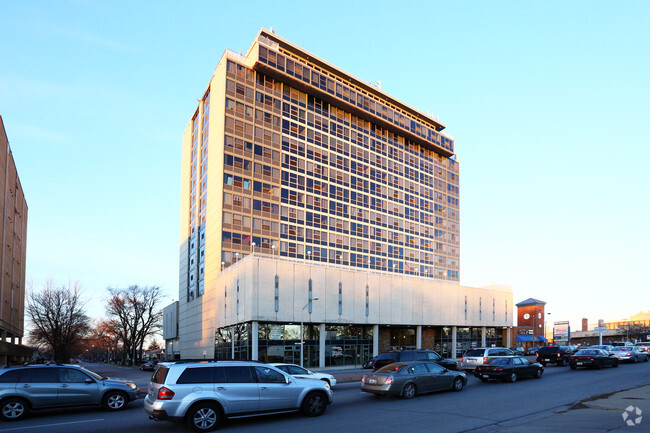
x=560, y=363
x=203, y=417
x=512, y=378
x=634, y=360
x=458, y=384
x=115, y=400
x=573, y=367
x=483, y=379
x=538, y=373
x=314, y=404
x=13, y=409
x=543, y=363
x=598, y=365
x=645, y=359
x=408, y=391
x=615, y=363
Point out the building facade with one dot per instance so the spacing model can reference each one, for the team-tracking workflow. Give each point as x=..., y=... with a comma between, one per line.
x=13, y=209
x=300, y=181
x=531, y=323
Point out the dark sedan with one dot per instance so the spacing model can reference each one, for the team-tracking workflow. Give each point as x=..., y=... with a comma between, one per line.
x=149, y=365
x=407, y=379
x=593, y=358
x=509, y=369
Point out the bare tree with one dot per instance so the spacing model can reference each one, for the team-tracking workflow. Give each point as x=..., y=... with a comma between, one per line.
x=134, y=315
x=59, y=322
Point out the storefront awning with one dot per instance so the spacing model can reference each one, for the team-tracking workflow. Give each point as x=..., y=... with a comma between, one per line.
x=524, y=338
x=541, y=338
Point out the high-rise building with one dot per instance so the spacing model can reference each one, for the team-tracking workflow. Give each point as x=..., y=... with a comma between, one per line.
x=13, y=209
x=300, y=182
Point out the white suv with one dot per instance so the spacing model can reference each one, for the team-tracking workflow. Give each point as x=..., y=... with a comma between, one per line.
x=479, y=356
x=201, y=394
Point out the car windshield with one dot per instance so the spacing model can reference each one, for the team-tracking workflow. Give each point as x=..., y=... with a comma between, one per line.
x=93, y=374
x=391, y=368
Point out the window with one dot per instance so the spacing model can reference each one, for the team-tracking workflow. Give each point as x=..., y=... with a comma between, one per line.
x=435, y=368
x=268, y=375
x=200, y=375
x=69, y=375
x=238, y=374
x=41, y=375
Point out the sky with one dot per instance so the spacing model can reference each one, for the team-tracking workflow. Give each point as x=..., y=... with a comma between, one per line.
x=547, y=102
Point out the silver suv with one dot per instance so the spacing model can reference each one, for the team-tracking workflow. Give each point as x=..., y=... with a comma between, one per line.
x=39, y=386
x=201, y=394
x=479, y=356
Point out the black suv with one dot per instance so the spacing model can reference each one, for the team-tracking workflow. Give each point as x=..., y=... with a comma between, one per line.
x=554, y=354
x=386, y=358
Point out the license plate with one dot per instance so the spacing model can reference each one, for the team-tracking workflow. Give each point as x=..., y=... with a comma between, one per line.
x=578, y=363
x=486, y=376
x=372, y=380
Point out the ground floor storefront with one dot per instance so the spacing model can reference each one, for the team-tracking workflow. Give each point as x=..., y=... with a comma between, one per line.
x=326, y=345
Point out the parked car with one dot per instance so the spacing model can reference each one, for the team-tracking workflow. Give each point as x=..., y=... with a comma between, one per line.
x=593, y=358
x=202, y=393
x=479, y=356
x=519, y=351
x=406, y=379
x=621, y=343
x=508, y=368
x=630, y=354
x=303, y=373
x=531, y=351
x=149, y=365
x=369, y=363
x=392, y=356
x=27, y=387
x=644, y=346
x=554, y=354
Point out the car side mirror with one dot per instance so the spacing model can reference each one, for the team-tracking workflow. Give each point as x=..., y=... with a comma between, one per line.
x=287, y=379
x=89, y=380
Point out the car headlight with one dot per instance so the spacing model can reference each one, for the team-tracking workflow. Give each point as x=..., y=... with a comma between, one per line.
x=131, y=385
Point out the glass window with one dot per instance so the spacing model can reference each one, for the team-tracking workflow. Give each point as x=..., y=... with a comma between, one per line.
x=238, y=374
x=11, y=376
x=69, y=375
x=42, y=375
x=435, y=368
x=268, y=375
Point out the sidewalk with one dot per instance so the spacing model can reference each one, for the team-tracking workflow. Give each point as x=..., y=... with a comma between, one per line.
x=613, y=412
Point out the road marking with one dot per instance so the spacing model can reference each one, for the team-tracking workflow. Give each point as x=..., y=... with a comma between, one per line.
x=52, y=425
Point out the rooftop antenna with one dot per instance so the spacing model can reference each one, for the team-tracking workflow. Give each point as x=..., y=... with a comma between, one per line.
x=272, y=31
x=379, y=84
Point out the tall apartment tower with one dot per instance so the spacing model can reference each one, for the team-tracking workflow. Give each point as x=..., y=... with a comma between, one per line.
x=13, y=210
x=299, y=180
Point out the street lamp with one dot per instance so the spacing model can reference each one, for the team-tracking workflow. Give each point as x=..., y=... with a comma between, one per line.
x=236, y=257
x=222, y=265
x=302, y=336
x=253, y=244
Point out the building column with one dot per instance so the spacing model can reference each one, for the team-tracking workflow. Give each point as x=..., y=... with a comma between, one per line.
x=232, y=339
x=375, y=340
x=453, y=342
x=418, y=337
x=483, y=337
x=509, y=337
x=321, y=346
x=255, y=340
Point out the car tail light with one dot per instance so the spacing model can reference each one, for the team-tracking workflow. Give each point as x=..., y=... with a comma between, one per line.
x=628, y=354
x=485, y=360
x=498, y=369
x=389, y=380
x=558, y=355
x=165, y=393
x=363, y=379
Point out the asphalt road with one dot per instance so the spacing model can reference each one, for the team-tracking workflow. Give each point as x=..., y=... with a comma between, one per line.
x=479, y=406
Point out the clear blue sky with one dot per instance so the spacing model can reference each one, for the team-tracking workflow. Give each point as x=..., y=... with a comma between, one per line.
x=548, y=103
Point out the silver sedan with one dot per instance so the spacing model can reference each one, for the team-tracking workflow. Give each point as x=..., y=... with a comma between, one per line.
x=406, y=379
x=630, y=353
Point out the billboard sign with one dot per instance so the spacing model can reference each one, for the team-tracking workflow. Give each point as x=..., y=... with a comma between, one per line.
x=561, y=332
